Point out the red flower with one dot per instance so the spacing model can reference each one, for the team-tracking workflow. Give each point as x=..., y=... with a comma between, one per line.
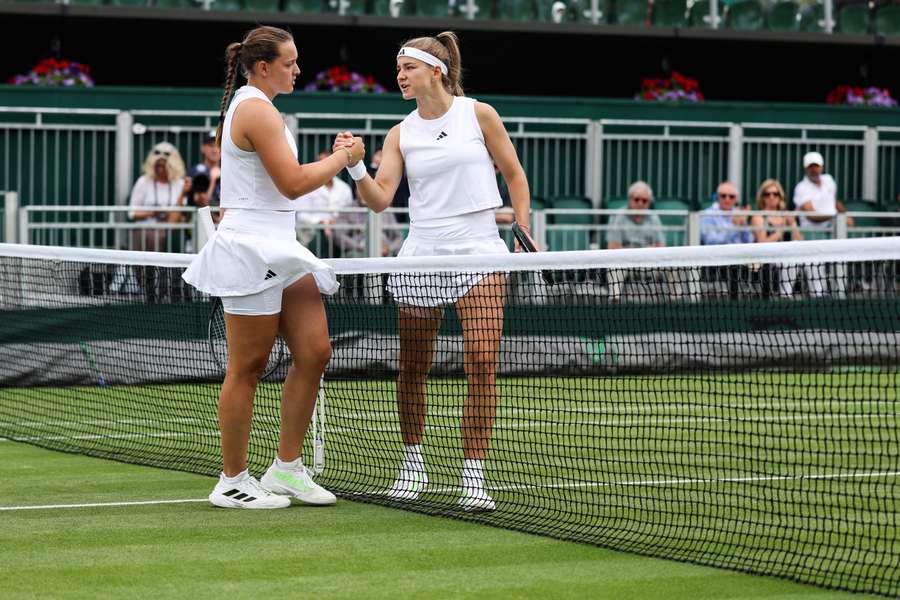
x=648, y=95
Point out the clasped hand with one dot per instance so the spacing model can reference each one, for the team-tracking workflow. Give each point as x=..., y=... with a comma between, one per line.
x=356, y=146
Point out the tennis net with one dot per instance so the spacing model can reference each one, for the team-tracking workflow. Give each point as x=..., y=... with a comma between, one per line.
x=734, y=406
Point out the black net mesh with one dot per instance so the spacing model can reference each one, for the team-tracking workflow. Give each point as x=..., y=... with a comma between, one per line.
x=742, y=416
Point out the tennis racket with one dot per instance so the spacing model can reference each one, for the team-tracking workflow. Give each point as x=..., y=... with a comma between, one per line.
x=218, y=344
x=527, y=245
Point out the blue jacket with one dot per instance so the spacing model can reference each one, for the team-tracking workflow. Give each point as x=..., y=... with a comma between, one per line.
x=719, y=229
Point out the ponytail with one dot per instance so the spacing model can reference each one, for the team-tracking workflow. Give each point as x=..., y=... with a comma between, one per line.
x=453, y=78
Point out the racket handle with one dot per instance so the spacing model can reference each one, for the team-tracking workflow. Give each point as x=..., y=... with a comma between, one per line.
x=318, y=455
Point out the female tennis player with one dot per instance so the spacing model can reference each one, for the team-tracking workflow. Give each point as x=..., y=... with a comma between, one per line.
x=448, y=147
x=269, y=283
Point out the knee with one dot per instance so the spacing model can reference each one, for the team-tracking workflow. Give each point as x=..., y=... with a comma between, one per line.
x=316, y=354
x=251, y=369
x=482, y=366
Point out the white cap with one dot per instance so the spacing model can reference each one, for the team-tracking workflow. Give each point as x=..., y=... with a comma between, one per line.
x=813, y=158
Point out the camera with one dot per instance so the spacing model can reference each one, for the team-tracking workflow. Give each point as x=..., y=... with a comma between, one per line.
x=199, y=183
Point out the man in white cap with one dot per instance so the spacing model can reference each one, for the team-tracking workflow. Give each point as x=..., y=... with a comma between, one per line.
x=817, y=192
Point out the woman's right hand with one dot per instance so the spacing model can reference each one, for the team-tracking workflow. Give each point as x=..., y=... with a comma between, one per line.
x=357, y=151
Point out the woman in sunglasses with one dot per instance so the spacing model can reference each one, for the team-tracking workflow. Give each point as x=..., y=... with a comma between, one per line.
x=161, y=186
x=776, y=228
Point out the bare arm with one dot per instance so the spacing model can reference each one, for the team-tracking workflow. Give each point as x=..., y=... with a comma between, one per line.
x=378, y=193
x=257, y=127
x=503, y=152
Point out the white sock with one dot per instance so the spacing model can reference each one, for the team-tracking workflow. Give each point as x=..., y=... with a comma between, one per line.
x=237, y=478
x=288, y=466
x=412, y=458
x=473, y=472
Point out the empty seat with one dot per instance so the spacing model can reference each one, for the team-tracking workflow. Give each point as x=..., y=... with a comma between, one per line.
x=698, y=16
x=784, y=16
x=570, y=238
x=669, y=13
x=853, y=18
x=812, y=18
x=436, y=8
x=887, y=20
x=675, y=237
x=631, y=12
x=304, y=6
x=515, y=10
x=175, y=4
x=227, y=5
x=391, y=8
x=746, y=15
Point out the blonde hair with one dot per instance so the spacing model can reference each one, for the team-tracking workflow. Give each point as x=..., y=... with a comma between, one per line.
x=263, y=43
x=760, y=199
x=169, y=153
x=444, y=46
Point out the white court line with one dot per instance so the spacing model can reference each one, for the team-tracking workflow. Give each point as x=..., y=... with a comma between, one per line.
x=103, y=504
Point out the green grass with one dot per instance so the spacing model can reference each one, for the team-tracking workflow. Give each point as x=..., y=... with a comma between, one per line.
x=777, y=473
x=352, y=550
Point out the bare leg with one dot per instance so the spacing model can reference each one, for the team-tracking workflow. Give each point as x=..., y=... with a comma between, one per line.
x=481, y=314
x=250, y=340
x=305, y=329
x=418, y=333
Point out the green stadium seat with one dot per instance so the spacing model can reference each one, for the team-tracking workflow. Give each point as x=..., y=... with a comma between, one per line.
x=88, y=2
x=515, y=10
x=863, y=206
x=812, y=18
x=391, y=8
x=304, y=6
x=262, y=5
x=227, y=5
x=175, y=4
x=567, y=11
x=745, y=15
x=669, y=13
x=673, y=238
x=698, y=16
x=783, y=16
x=615, y=203
x=434, y=8
x=887, y=20
x=129, y=2
x=853, y=18
x=570, y=239
x=630, y=12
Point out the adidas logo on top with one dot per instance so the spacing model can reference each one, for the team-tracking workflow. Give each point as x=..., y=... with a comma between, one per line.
x=441, y=136
x=270, y=274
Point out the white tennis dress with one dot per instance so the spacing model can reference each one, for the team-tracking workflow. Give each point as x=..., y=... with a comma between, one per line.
x=453, y=194
x=255, y=246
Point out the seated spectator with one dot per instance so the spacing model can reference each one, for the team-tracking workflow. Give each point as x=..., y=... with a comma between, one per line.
x=205, y=184
x=729, y=228
x=725, y=228
x=775, y=228
x=319, y=208
x=637, y=230
x=162, y=185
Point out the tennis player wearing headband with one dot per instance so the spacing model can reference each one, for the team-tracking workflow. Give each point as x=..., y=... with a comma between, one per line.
x=269, y=283
x=448, y=146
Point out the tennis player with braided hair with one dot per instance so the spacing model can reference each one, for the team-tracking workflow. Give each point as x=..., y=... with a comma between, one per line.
x=268, y=282
x=447, y=146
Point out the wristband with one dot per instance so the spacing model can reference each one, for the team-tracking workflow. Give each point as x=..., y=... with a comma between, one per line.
x=357, y=171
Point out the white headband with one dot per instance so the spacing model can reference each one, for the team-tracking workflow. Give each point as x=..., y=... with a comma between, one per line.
x=426, y=58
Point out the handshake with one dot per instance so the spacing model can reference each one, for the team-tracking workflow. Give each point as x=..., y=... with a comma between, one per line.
x=356, y=151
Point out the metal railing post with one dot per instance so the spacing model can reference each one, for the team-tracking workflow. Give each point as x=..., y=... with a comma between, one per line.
x=10, y=217
x=714, y=14
x=693, y=228
x=870, y=165
x=828, y=14
x=23, y=237
x=373, y=234
x=735, y=154
x=595, y=147
x=124, y=153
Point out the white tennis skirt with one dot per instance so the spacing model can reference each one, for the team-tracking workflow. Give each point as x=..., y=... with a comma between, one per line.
x=252, y=251
x=474, y=233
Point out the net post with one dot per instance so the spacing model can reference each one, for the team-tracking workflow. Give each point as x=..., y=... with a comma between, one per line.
x=10, y=217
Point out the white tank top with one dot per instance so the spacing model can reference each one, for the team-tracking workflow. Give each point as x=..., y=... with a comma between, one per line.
x=447, y=164
x=245, y=181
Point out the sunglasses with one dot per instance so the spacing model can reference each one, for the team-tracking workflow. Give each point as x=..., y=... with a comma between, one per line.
x=158, y=152
x=727, y=196
x=776, y=194
x=641, y=200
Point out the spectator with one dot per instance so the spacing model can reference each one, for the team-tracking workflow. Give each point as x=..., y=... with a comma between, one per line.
x=775, y=228
x=817, y=192
x=205, y=184
x=401, y=196
x=351, y=236
x=319, y=208
x=636, y=230
x=717, y=228
x=162, y=185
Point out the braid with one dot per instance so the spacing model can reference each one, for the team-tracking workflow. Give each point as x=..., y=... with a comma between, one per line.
x=232, y=53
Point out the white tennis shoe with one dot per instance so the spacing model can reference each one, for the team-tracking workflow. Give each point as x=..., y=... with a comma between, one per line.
x=246, y=493
x=476, y=499
x=296, y=483
x=408, y=485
